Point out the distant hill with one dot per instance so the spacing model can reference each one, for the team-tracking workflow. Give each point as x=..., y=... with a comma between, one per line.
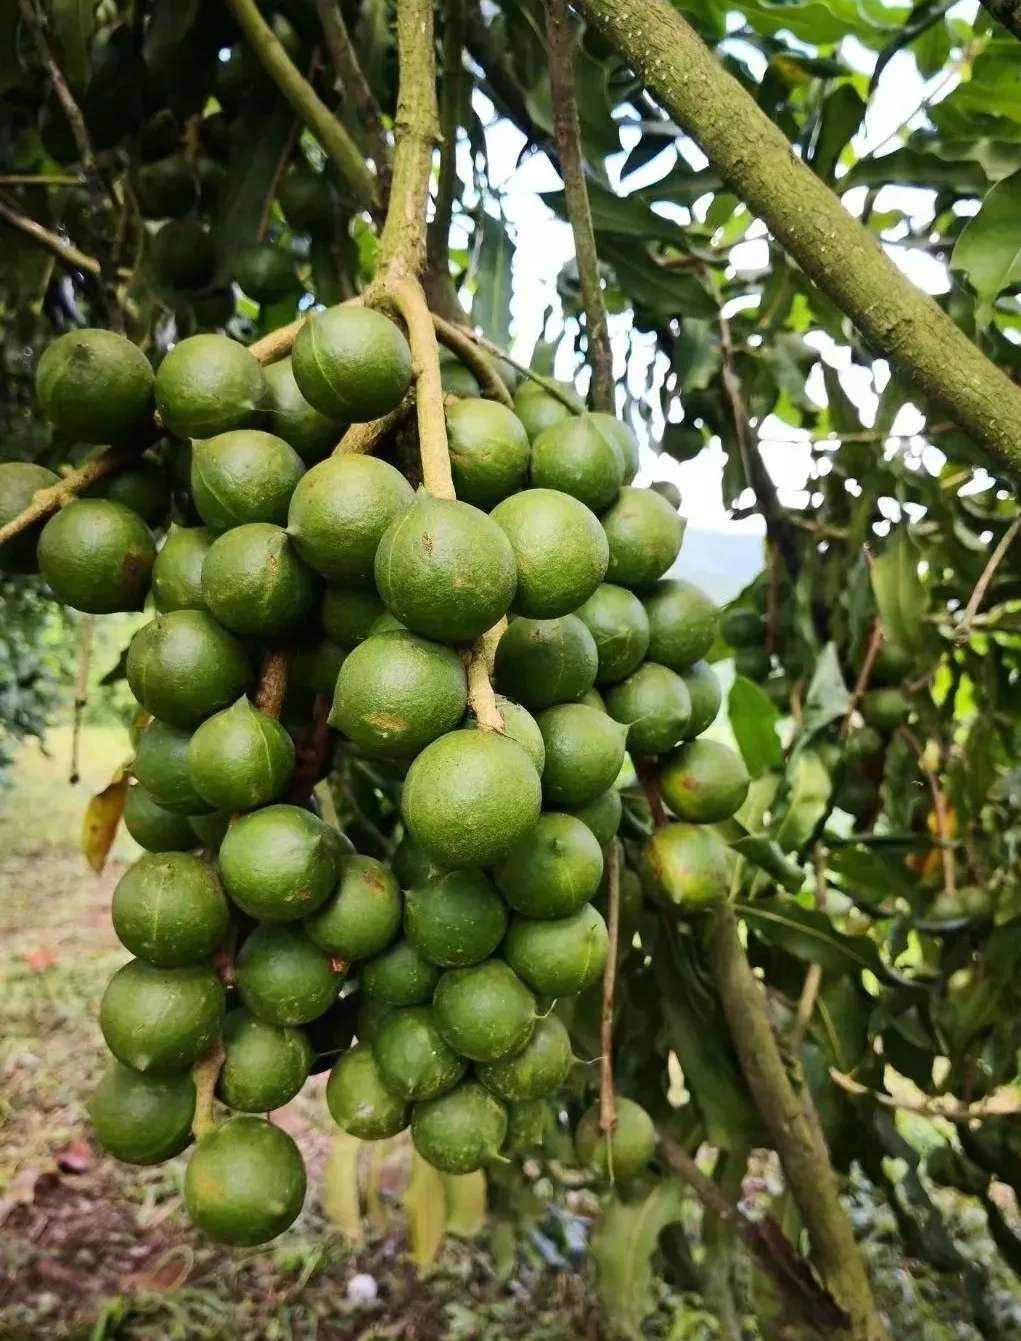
x=720, y=562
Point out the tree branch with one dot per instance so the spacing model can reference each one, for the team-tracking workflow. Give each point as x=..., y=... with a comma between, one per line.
x=835, y=250
x=1007, y=12
x=1003, y=1102
x=794, y=1135
x=409, y=300
x=467, y=348
x=567, y=135
x=340, y=147
x=349, y=71
x=765, y=1241
x=45, y=502
x=607, y=1105
x=65, y=252
x=449, y=118
x=963, y=632
x=864, y=675
x=363, y=439
x=272, y=685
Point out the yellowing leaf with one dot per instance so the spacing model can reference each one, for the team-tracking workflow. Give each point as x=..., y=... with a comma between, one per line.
x=340, y=1187
x=102, y=816
x=465, y=1202
x=426, y=1210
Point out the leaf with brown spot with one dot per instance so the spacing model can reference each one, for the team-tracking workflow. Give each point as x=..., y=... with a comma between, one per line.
x=102, y=816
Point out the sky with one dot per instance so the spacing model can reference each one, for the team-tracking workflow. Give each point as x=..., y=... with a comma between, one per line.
x=544, y=244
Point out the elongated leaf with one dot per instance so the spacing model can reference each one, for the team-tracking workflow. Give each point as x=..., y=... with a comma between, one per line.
x=169, y=25
x=809, y=935
x=622, y=1249
x=668, y=292
x=426, y=1212
x=250, y=178
x=989, y=249
x=73, y=23
x=491, y=305
x=626, y=216
x=753, y=720
x=842, y=114
x=341, y=1201
x=809, y=788
x=900, y=595
x=465, y=1196
x=102, y=817
x=828, y=697
x=764, y=853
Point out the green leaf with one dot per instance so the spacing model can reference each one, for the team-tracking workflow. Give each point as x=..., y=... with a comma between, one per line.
x=625, y=216
x=682, y=441
x=989, y=249
x=762, y=852
x=809, y=788
x=828, y=697
x=697, y=357
x=900, y=595
x=915, y=167
x=491, y=304
x=669, y=293
x=73, y=24
x=870, y=876
x=753, y=719
x=810, y=936
x=251, y=175
x=169, y=25
x=622, y=1250
x=842, y=114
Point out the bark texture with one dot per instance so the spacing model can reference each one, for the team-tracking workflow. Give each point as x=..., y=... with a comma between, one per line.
x=898, y=320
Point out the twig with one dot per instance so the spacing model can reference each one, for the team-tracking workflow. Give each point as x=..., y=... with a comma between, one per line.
x=864, y=675
x=205, y=1073
x=336, y=141
x=813, y=977
x=99, y=188
x=272, y=685
x=450, y=102
x=348, y=70
x=1003, y=1102
x=479, y=665
x=65, y=252
x=86, y=630
x=40, y=179
x=773, y=600
x=547, y=383
x=759, y=479
x=47, y=501
x=939, y=806
x=462, y=343
x=313, y=751
x=607, y=1104
x=648, y=776
x=278, y=172
x=766, y=1243
x=988, y=573
x=363, y=439
x=409, y=299
x=567, y=136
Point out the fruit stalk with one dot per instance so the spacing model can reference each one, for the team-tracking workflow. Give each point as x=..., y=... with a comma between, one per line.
x=467, y=348
x=272, y=686
x=567, y=136
x=607, y=1104
x=341, y=148
x=205, y=1073
x=834, y=249
x=409, y=299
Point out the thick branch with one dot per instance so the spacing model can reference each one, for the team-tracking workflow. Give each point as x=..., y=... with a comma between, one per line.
x=841, y=256
x=402, y=245
x=765, y=1241
x=340, y=147
x=567, y=134
x=479, y=664
x=794, y=1135
x=363, y=439
x=963, y=632
x=356, y=87
x=408, y=298
x=451, y=100
x=462, y=343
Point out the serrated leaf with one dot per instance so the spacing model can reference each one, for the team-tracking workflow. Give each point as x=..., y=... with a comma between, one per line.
x=622, y=1250
x=491, y=304
x=753, y=720
x=809, y=935
x=102, y=817
x=426, y=1212
x=73, y=23
x=989, y=248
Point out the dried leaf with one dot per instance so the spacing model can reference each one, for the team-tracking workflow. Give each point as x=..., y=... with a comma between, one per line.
x=102, y=816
